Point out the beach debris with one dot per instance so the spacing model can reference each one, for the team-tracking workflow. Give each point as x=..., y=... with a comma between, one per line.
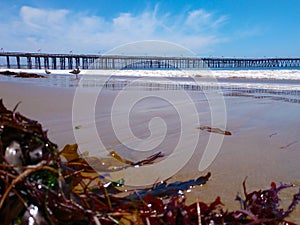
x=8, y=73
x=21, y=74
x=38, y=187
x=13, y=154
x=214, y=130
x=148, y=160
x=273, y=134
x=288, y=145
x=30, y=75
x=167, y=190
x=23, y=139
x=119, y=158
x=112, y=164
x=78, y=127
x=262, y=206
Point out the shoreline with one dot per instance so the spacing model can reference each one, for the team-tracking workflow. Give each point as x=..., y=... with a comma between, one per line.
x=254, y=75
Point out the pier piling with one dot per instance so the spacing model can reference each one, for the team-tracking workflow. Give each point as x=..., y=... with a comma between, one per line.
x=21, y=60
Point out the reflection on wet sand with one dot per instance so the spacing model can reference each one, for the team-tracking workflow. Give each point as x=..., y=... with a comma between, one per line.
x=292, y=96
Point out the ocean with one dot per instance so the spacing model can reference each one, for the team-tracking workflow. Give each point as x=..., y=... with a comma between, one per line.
x=280, y=79
x=284, y=83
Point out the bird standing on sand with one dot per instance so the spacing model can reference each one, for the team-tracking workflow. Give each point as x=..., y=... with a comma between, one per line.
x=75, y=71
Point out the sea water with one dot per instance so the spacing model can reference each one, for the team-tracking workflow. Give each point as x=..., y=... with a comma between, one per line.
x=283, y=82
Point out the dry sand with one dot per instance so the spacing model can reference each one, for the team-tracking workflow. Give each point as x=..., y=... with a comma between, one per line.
x=264, y=145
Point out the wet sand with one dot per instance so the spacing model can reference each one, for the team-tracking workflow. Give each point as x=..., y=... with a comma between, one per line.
x=264, y=145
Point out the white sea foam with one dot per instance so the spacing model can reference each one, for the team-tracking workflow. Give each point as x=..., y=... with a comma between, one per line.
x=274, y=74
x=264, y=79
x=288, y=79
x=246, y=74
x=259, y=74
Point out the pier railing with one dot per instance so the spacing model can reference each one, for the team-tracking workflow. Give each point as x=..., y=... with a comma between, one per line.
x=20, y=60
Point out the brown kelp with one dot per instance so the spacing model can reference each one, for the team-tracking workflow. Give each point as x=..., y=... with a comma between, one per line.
x=38, y=187
x=214, y=130
x=21, y=74
x=115, y=163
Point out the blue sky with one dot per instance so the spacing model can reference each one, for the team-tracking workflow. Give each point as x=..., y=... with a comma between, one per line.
x=229, y=28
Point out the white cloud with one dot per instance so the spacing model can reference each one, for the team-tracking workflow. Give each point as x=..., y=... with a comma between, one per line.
x=151, y=48
x=123, y=22
x=201, y=20
x=59, y=30
x=198, y=18
x=41, y=18
x=220, y=21
x=249, y=32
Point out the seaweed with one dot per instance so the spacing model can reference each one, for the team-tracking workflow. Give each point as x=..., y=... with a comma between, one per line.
x=38, y=187
x=8, y=73
x=214, y=130
x=21, y=74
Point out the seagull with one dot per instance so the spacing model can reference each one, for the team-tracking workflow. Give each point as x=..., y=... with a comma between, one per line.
x=47, y=71
x=75, y=71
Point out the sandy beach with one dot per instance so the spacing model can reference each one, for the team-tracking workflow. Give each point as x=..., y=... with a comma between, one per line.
x=264, y=145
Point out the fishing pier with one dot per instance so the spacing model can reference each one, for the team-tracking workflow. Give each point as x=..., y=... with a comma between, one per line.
x=19, y=60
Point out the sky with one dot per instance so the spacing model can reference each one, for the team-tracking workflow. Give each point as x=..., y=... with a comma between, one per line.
x=208, y=28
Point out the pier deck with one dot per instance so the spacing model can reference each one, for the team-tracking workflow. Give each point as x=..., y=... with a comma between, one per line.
x=20, y=60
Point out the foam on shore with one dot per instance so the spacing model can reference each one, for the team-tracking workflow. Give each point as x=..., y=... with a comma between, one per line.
x=276, y=74
x=263, y=79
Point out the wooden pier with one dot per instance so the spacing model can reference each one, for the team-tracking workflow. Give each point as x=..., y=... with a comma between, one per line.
x=19, y=60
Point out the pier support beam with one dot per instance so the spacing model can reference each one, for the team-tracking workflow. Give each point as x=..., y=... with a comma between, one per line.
x=46, y=62
x=77, y=62
x=7, y=62
x=29, y=62
x=37, y=61
x=70, y=63
x=62, y=63
x=54, y=63
x=18, y=62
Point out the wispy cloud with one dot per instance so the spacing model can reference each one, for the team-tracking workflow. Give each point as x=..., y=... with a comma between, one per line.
x=60, y=29
x=39, y=18
x=249, y=32
x=201, y=20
